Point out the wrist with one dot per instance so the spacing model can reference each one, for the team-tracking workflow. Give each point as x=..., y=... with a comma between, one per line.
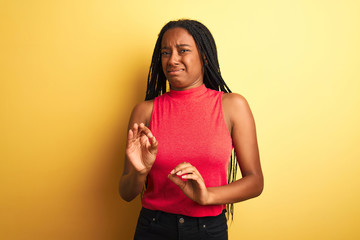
x=210, y=196
x=141, y=173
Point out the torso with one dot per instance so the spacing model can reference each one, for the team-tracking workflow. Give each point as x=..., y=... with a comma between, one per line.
x=190, y=126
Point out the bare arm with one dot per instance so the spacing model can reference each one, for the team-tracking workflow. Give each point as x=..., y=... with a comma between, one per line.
x=243, y=133
x=140, y=152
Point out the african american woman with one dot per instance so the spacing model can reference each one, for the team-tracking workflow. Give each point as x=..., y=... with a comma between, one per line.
x=185, y=144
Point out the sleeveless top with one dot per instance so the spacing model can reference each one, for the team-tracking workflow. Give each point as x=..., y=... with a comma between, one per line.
x=190, y=127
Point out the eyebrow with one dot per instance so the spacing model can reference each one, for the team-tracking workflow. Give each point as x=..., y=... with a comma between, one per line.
x=177, y=45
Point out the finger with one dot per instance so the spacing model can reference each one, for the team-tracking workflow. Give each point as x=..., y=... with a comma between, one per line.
x=178, y=181
x=196, y=178
x=178, y=169
x=187, y=170
x=154, y=143
x=145, y=130
x=192, y=176
x=135, y=129
x=130, y=136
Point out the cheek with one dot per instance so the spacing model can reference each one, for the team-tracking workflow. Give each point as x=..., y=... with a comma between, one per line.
x=196, y=61
x=197, y=65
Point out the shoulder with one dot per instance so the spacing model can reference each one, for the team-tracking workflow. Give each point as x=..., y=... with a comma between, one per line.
x=236, y=107
x=234, y=101
x=142, y=112
x=144, y=106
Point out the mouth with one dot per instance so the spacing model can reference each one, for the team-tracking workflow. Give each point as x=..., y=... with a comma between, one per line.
x=174, y=71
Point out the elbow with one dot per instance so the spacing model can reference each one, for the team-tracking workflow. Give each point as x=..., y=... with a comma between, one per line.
x=259, y=187
x=259, y=190
x=126, y=198
x=124, y=194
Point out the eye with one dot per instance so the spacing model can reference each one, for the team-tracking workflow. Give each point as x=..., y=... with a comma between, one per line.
x=184, y=50
x=165, y=53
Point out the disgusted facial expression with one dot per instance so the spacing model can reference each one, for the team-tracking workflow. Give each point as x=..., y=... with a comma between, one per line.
x=180, y=59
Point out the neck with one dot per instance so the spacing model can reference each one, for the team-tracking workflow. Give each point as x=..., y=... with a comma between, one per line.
x=195, y=84
x=188, y=93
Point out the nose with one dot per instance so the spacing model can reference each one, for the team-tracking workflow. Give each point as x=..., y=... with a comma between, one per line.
x=174, y=59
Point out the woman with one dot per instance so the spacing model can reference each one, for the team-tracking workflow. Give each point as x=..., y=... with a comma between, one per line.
x=180, y=141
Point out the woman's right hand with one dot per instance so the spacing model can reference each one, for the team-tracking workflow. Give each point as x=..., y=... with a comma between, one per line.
x=139, y=150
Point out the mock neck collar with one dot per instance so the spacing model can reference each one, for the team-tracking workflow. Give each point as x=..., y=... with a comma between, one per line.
x=192, y=92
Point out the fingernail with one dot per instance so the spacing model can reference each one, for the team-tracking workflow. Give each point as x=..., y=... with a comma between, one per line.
x=150, y=135
x=178, y=173
x=183, y=176
x=172, y=172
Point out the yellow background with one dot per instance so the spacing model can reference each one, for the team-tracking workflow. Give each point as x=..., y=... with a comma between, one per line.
x=71, y=71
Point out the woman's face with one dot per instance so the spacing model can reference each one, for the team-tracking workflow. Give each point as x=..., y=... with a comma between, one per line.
x=180, y=59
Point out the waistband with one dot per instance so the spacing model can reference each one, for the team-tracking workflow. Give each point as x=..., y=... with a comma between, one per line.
x=171, y=218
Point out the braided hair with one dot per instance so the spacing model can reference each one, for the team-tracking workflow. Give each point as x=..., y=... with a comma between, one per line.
x=156, y=83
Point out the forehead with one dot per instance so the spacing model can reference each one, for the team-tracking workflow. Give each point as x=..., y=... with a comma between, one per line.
x=177, y=36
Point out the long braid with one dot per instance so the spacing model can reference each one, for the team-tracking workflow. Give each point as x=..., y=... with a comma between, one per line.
x=156, y=82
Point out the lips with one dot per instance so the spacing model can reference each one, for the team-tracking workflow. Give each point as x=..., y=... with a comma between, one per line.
x=174, y=71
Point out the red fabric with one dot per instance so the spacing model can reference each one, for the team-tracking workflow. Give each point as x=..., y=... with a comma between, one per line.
x=190, y=127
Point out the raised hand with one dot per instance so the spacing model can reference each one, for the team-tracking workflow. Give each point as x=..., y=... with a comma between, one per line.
x=192, y=184
x=139, y=150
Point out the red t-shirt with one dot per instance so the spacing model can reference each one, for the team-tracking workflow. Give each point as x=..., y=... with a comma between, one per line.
x=190, y=127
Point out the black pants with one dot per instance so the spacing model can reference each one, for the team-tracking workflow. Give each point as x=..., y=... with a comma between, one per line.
x=158, y=225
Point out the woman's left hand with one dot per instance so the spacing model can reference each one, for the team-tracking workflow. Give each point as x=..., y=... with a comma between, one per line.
x=192, y=183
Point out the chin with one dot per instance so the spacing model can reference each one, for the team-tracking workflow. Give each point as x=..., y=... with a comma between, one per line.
x=177, y=84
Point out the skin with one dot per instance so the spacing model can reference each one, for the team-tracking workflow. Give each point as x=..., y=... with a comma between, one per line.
x=183, y=67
